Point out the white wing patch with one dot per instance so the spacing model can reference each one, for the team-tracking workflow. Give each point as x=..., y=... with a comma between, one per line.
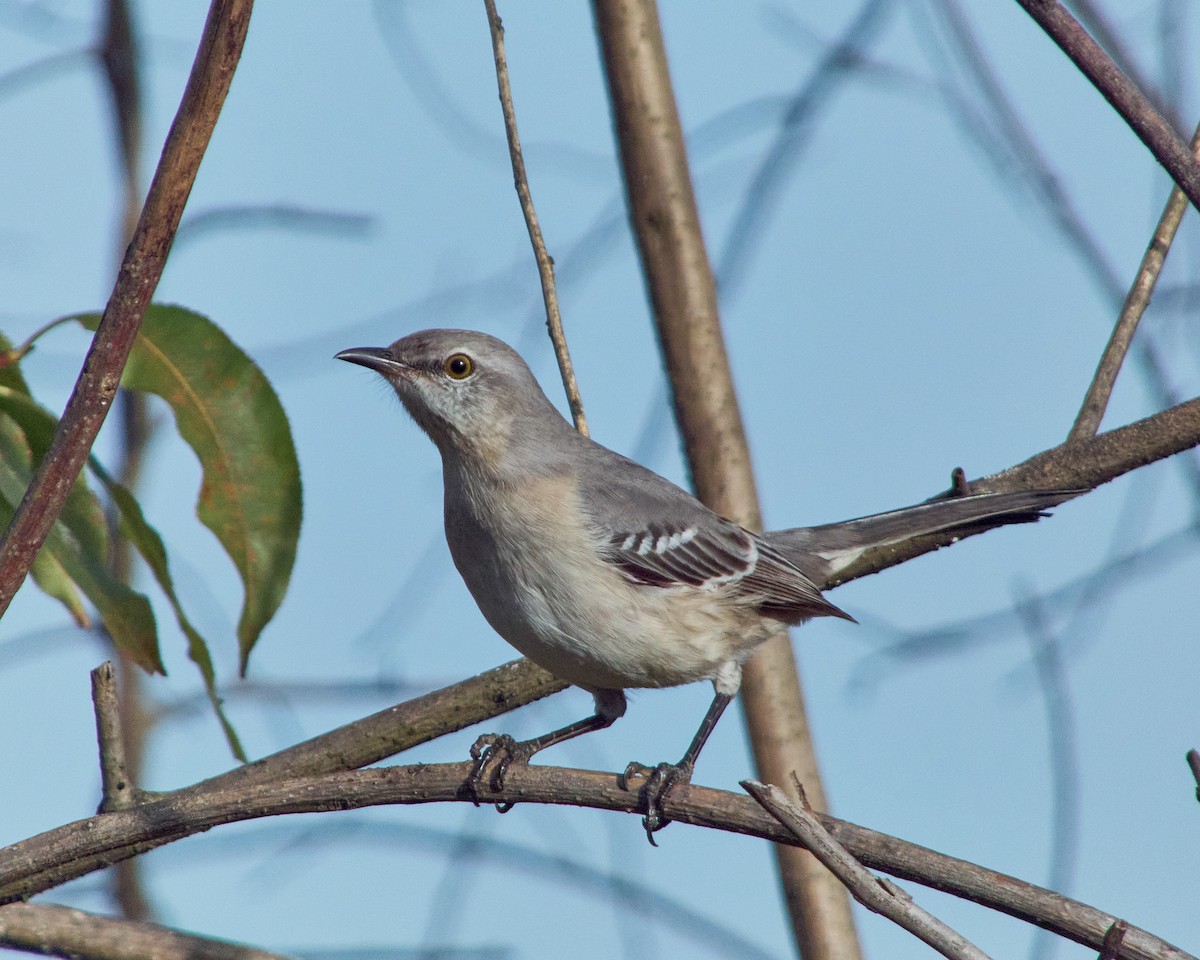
x=665, y=556
x=717, y=556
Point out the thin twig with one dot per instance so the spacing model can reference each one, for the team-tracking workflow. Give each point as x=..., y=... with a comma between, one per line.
x=545, y=262
x=875, y=893
x=1136, y=302
x=117, y=792
x=1045, y=182
x=17, y=353
x=217, y=57
x=1125, y=97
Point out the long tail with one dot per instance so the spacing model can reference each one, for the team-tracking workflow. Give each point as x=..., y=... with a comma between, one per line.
x=823, y=551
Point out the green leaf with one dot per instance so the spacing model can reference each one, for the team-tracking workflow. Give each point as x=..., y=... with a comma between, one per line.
x=82, y=512
x=47, y=572
x=38, y=424
x=150, y=545
x=126, y=614
x=226, y=410
x=50, y=575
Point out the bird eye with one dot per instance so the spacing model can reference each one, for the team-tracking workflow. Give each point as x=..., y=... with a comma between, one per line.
x=458, y=366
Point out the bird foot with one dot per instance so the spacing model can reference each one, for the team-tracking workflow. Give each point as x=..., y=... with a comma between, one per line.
x=493, y=754
x=659, y=781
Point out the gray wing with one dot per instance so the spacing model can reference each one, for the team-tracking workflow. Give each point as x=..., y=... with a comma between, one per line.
x=659, y=535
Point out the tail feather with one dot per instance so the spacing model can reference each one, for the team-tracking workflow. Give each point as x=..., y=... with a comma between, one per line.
x=821, y=552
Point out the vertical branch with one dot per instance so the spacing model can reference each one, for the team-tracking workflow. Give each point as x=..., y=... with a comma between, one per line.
x=118, y=54
x=116, y=786
x=545, y=262
x=662, y=207
x=217, y=58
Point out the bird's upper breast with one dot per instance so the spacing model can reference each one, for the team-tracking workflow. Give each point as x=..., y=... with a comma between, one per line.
x=522, y=547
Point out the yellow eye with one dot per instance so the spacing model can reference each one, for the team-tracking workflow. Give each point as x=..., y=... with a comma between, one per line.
x=458, y=366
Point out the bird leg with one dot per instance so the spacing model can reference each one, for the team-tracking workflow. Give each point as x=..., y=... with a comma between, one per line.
x=660, y=779
x=494, y=753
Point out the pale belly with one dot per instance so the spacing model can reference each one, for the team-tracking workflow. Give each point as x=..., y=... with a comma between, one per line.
x=577, y=616
x=652, y=637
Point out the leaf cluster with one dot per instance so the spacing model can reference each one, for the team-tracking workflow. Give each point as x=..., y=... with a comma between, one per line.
x=250, y=496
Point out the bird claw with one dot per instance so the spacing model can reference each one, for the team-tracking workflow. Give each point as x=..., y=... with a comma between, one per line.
x=659, y=782
x=493, y=754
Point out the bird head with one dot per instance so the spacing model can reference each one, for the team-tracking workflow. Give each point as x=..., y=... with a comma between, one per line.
x=466, y=390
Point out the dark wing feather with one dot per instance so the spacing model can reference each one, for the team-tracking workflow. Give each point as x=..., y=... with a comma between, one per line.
x=782, y=591
x=722, y=554
x=662, y=555
x=658, y=535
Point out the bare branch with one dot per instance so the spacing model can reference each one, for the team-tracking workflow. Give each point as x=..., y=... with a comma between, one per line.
x=399, y=728
x=51, y=930
x=1136, y=302
x=217, y=57
x=1084, y=464
x=118, y=793
x=679, y=278
x=1124, y=96
x=1100, y=27
x=545, y=262
x=1193, y=759
x=874, y=893
x=76, y=849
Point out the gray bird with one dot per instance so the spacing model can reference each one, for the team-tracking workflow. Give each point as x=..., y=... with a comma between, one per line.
x=605, y=573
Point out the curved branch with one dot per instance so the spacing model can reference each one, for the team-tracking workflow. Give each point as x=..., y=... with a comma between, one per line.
x=78, y=848
x=217, y=57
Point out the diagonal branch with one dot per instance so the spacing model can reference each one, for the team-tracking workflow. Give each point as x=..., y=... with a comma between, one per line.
x=1122, y=93
x=1136, y=302
x=1082, y=465
x=877, y=895
x=217, y=57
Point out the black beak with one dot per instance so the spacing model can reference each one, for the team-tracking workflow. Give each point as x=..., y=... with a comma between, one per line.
x=378, y=359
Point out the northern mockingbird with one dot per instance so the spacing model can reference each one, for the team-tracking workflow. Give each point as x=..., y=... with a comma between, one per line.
x=603, y=572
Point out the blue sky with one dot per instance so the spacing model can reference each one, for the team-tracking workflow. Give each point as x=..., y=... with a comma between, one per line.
x=904, y=305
